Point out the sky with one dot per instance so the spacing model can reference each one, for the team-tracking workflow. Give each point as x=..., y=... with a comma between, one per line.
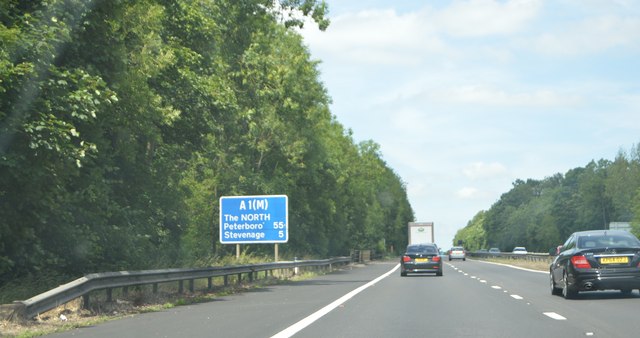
x=466, y=97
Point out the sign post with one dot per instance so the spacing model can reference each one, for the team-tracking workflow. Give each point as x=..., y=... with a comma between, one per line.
x=254, y=220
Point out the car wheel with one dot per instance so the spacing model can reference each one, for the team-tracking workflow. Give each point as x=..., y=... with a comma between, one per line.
x=464, y=259
x=439, y=273
x=568, y=291
x=403, y=274
x=555, y=290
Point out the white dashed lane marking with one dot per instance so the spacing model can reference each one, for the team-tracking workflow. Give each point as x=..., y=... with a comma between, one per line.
x=554, y=315
x=551, y=315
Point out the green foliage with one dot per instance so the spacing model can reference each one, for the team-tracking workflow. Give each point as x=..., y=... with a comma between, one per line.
x=123, y=122
x=541, y=214
x=311, y=8
x=473, y=235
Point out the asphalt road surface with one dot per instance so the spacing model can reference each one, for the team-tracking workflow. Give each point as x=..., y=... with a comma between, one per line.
x=472, y=299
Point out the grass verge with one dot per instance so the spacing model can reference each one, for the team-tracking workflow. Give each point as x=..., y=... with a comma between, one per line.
x=533, y=265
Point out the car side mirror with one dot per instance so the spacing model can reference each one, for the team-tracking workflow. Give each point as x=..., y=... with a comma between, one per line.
x=555, y=251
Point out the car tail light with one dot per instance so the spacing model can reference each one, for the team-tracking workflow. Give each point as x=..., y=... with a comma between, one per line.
x=580, y=262
x=406, y=258
x=436, y=258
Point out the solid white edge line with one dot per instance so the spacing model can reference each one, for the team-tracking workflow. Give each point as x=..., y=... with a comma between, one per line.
x=295, y=328
x=554, y=315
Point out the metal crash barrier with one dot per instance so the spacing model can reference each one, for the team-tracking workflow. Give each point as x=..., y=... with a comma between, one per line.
x=81, y=287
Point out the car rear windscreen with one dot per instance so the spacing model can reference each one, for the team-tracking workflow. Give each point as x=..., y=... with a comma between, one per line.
x=421, y=249
x=587, y=242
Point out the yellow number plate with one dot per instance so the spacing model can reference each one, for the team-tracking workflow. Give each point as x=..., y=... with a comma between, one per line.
x=614, y=260
x=422, y=260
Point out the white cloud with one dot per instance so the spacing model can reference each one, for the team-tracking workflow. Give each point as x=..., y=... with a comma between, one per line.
x=467, y=192
x=377, y=37
x=487, y=17
x=384, y=36
x=591, y=35
x=408, y=39
x=481, y=170
x=487, y=95
x=419, y=122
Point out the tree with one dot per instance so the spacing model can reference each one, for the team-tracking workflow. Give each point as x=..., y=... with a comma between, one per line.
x=621, y=183
x=123, y=122
x=473, y=234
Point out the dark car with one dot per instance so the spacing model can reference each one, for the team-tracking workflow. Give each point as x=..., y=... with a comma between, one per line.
x=421, y=258
x=596, y=260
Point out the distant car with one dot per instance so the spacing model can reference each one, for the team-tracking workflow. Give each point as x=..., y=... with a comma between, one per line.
x=520, y=250
x=494, y=251
x=421, y=258
x=457, y=252
x=596, y=260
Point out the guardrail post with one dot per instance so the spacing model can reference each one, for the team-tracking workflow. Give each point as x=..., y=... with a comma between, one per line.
x=239, y=278
x=155, y=288
x=109, y=295
x=226, y=280
x=85, y=301
x=180, y=286
x=13, y=311
x=191, y=288
x=125, y=291
x=251, y=276
x=210, y=283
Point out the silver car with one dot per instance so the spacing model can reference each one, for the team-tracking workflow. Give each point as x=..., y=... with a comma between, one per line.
x=520, y=250
x=457, y=252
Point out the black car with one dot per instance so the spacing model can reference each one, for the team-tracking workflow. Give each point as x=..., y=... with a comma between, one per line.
x=596, y=260
x=421, y=258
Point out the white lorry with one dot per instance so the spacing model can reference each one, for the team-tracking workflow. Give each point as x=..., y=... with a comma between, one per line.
x=420, y=232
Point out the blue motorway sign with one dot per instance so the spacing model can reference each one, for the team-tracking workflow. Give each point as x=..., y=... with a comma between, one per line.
x=254, y=219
